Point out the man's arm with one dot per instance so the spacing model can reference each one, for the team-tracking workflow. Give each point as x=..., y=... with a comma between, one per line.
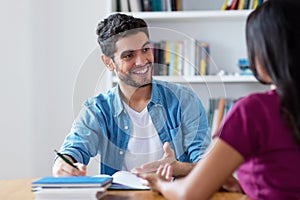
x=181, y=169
x=80, y=144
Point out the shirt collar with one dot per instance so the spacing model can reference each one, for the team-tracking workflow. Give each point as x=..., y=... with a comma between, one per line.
x=118, y=104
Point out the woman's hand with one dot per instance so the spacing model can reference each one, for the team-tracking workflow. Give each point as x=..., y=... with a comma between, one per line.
x=155, y=180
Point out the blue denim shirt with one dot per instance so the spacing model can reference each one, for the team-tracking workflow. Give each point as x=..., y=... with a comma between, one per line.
x=103, y=126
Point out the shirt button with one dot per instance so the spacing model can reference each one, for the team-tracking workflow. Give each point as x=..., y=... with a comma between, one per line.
x=126, y=127
x=121, y=152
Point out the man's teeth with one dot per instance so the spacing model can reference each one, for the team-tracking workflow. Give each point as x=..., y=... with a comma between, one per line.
x=144, y=70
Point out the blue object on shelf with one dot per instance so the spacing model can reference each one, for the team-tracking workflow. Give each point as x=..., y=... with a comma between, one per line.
x=244, y=67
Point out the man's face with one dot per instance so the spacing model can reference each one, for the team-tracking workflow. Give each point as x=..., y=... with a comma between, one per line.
x=133, y=60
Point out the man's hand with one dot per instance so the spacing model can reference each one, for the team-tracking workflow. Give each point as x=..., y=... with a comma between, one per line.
x=61, y=168
x=168, y=158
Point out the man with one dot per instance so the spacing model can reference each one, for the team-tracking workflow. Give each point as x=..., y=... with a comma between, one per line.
x=141, y=123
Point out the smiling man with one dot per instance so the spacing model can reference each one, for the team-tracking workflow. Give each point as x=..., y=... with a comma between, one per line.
x=141, y=123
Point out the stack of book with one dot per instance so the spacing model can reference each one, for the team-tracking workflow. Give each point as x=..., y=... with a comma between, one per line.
x=241, y=4
x=148, y=5
x=182, y=57
x=73, y=187
x=218, y=108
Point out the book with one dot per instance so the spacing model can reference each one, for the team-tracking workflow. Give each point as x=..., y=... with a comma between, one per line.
x=228, y=4
x=70, y=193
x=202, y=58
x=234, y=5
x=224, y=5
x=146, y=5
x=251, y=2
x=218, y=109
x=70, y=187
x=220, y=112
x=124, y=6
x=156, y=5
x=246, y=4
x=124, y=180
x=241, y=5
x=71, y=182
x=135, y=5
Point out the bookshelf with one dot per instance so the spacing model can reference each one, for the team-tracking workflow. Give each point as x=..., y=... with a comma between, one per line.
x=224, y=31
x=205, y=79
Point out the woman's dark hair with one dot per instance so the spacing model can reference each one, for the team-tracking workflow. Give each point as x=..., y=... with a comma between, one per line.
x=273, y=42
x=116, y=26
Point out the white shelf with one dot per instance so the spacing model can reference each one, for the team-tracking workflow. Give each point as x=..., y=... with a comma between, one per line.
x=192, y=15
x=225, y=33
x=205, y=79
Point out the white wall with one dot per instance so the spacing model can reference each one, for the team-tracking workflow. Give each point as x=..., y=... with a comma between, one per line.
x=15, y=86
x=44, y=47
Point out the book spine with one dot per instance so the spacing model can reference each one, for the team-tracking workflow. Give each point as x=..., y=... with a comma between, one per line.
x=220, y=112
x=173, y=5
x=186, y=60
x=241, y=5
x=146, y=5
x=180, y=58
x=234, y=5
x=135, y=5
x=163, y=67
x=224, y=6
x=156, y=5
x=167, y=56
x=171, y=65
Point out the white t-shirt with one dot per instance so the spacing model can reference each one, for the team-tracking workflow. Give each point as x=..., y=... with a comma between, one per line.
x=144, y=144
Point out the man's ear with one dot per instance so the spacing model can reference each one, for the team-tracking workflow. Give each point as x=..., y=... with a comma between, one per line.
x=108, y=62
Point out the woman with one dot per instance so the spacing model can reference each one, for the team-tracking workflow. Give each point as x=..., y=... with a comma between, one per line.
x=260, y=137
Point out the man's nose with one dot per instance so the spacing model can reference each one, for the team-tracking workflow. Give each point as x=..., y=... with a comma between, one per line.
x=141, y=58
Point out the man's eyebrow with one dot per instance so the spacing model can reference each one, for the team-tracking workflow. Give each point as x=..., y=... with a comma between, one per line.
x=146, y=43
x=131, y=50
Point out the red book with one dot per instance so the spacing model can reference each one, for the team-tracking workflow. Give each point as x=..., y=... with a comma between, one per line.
x=234, y=5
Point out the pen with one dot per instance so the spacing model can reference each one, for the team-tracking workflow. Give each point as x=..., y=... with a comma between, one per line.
x=65, y=159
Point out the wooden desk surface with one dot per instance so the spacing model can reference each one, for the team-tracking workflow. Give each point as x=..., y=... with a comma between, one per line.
x=21, y=190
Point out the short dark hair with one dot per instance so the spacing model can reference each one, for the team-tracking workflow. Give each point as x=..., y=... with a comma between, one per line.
x=116, y=26
x=273, y=40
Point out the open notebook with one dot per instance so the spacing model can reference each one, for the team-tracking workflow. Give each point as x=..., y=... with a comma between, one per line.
x=126, y=181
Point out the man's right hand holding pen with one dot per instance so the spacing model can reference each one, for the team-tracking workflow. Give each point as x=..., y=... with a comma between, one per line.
x=65, y=166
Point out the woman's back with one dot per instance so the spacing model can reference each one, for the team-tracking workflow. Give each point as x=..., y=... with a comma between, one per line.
x=256, y=130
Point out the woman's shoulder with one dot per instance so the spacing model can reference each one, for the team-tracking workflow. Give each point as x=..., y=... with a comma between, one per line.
x=260, y=98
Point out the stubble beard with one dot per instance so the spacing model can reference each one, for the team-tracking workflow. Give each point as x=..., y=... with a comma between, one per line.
x=128, y=79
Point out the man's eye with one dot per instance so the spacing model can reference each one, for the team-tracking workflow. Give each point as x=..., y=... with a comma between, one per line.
x=146, y=49
x=128, y=56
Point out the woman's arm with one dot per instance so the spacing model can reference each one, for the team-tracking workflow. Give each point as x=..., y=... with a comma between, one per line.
x=205, y=179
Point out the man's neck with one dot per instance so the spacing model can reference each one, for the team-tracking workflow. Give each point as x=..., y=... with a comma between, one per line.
x=136, y=98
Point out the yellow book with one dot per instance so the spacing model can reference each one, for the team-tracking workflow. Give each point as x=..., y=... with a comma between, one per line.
x=241, y=5
x=175, y=67
x=167, y=53
x=224, y=6
x=203, y=67
x=255, y=3
x=203, y=58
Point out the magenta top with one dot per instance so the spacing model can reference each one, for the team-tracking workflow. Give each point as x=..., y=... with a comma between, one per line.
x=256, y=130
